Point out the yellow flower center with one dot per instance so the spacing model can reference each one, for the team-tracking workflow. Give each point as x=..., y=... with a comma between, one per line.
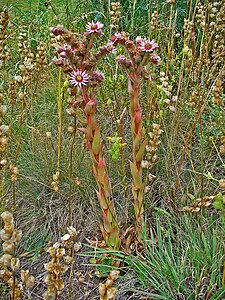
x=148, y=46
x=79, y=78
x=93, y=27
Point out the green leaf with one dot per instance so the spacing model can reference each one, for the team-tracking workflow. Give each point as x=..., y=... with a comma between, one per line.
x=218, y=202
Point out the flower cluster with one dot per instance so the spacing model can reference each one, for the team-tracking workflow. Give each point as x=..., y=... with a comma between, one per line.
x=76, y=57
x=140, y=54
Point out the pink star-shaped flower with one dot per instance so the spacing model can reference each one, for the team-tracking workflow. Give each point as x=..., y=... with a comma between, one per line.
x=78, y=78
x=147, y=45
x=92, y=27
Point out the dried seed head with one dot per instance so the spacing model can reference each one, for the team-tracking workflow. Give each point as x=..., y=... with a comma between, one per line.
x=68, y=260
x=15, y=264
x=109, y=282
x=71, y=129
x=3, y=129
x=5, y=260
x=77, y=247
x=72, y=231
x=48, y=134
x=65, y=238
x=3, y=109
x=16, y=236
x=71, y=112
x=3, y=162
x=222, y=183
x=5, y=275
x=114, y=274
x=4, y=236
x=101, y=289
x=112, y=293
x=8, y=247
x=7, y=217
x=222, y=149
x=18, y=78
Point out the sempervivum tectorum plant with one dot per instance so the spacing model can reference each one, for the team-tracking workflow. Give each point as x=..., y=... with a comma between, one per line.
x=9, y=263
x=79, y=62
x=140, y=53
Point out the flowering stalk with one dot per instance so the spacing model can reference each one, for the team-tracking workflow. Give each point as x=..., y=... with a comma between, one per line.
x=59, y=264
x=79, y=62
x=109, y=228
x=140, y=54
x=9, y=262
